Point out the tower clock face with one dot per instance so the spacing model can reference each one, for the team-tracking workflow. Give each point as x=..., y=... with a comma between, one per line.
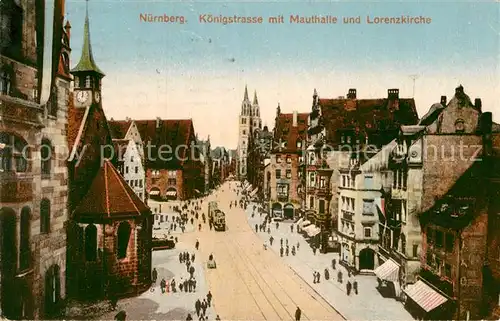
x=97, y=97
x=82, y=96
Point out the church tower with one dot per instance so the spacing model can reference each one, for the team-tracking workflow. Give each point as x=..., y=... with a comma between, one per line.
x=87, y=81
x=249, y=121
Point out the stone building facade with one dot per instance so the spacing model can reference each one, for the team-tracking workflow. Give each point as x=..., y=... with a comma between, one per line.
x=33, y=184
x=283, y=172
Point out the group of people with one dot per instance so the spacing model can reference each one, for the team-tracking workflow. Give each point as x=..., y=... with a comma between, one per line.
x=351, y=285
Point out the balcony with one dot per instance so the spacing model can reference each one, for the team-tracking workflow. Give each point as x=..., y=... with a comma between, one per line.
x=323, y=192
x=15, y=189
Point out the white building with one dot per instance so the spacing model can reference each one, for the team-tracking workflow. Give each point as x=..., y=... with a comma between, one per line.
x=131, y=165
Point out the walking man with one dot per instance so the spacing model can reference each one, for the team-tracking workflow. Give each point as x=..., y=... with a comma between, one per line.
x=154, y=275
x=291, y=228
x=271, y=239
x=197, y=245
x=209, y=298
x=355, y=287
x=314, y=277
x=163, y=284
x=348, y=287
x=281, y=251
x=197, y=306
x=256, y=228
x=298, y=313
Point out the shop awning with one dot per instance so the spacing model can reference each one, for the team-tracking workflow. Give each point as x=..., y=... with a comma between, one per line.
x=388, y=271
x=197, y=191
x=313, y=232
x=254, y=192
x=154, y=193
x=425, y=296
x=304, y=223
x=299, y=222
x=248, y=187
x=171, y=193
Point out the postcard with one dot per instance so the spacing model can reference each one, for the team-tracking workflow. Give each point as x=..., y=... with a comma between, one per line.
x=249, y=160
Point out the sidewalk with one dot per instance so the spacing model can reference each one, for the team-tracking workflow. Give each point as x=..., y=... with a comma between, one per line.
x=367, y=305
x=168, y=306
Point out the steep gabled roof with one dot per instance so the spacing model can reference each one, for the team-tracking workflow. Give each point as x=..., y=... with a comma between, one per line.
x=119, y=128
x=110, y=196
x=289, y=134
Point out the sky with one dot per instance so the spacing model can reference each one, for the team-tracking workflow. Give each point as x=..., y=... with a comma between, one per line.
x=199, y=70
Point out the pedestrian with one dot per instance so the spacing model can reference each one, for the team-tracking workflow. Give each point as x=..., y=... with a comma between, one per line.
x=277, y=225
x=334, y=262
x=287, y=251
x=192, y=257
x=154, y=275
x=185, y=285
x=293, y=250
x=314, y=277
x=172, y=284
x=209, y=298
x=281, y=251
x=281, y=241
x=286, y=242
x=204, y=306
x=298, y=245
x=327, y=274
x=189, y=317
x=271, y=239
x=197, y=307
x=256, y=228
x=167, y=287
x=197, y=245
x=181, y=257
x=339, y=276
x=218, y=318
x=348, y=287
x=355, y=287
x=268, y=230
x=194, y=285
x=163, y=284
x=181, y=285
x=318, y=276
x=298, y=313
x=291, y=228
x=199, y=227
x=191, y=270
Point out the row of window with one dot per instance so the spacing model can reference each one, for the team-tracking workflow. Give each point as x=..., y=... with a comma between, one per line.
x=288, y=173
x=136, y=169
x=288, y=159
x=438, y=265
x=441, y=240
x=14, y=155
x=346, y=181
x=348, y=203
x=400, y=178
x=134, y=182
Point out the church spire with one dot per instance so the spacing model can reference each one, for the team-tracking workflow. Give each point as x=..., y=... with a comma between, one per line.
x=255, y=101
x=87, y=62
x=245, y=98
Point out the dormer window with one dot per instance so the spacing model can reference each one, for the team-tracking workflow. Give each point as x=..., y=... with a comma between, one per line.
x=460, y=126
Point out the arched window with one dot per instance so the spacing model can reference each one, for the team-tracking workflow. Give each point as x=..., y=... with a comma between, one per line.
x=44, y=216
x=123, y=238
x=91, y=242
x=460, y=126
x=13, y=153
x=88, y=82
x=46, y=158
x=25, y=247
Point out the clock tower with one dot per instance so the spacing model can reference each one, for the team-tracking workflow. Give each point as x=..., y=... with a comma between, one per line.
x=87, y=76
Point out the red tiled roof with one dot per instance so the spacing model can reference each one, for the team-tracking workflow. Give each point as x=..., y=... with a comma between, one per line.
x=286, y=132
x=119, y=128
x=365, y=115
x=170, y=132
x=110, y=196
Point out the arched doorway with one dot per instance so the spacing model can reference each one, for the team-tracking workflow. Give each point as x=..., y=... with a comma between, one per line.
x=288, y=211
x=366, y=259
x=277, y=210
x=171, y=193
x=52, y=290
x=8, y=259
x=154, y=193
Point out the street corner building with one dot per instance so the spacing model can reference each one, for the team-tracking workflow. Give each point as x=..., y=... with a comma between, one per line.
x=283, y=175
x=342, y=180
x=33, y=189
x=113, y=234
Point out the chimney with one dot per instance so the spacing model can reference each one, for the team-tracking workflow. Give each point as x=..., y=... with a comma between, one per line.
x=478, y=104
x=351, y=94
x=443, y=101
x=393, y=93
x=294, y=120
x=111, y=119
x=127, y=118
x=459, y=90
x=158, y=122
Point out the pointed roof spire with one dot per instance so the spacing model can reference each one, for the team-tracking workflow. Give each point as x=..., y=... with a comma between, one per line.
x=87, y=62
x=246, y=94
x=255, y=101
